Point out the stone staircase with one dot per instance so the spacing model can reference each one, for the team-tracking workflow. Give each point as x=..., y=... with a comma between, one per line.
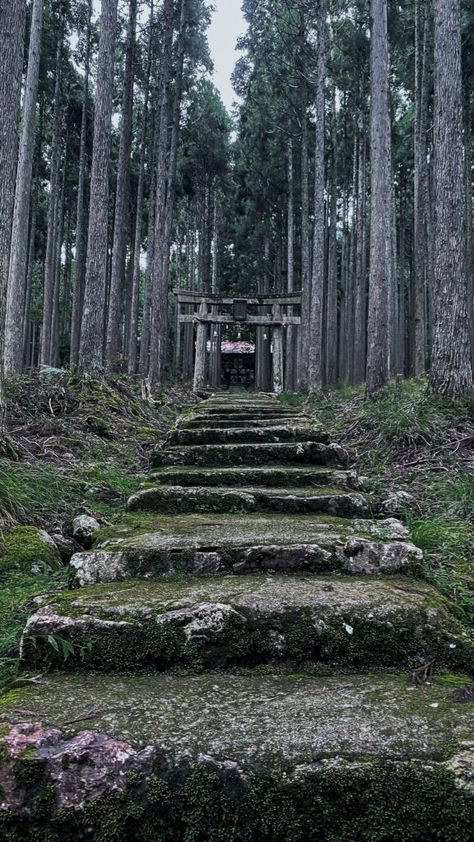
x=247, y=655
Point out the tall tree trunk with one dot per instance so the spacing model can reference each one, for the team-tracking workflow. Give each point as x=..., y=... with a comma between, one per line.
x=315, y=368
x=360, y=289
x=469, y=232
x=305, y=251
x=173, y=156
x=420, y=176
x=135, y=294
x=117, y=283
x=331, y=304
x=290, y=361
x=81, y=214
x=146, y=320
x=57, y=274
x=13, y=357
x=92, y=332
x=378, y=347
x=451, y=371
x=159, y=288
x=12, y=25
x=50, y=274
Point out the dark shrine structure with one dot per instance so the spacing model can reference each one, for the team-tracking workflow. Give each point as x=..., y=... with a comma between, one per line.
x=203, y=322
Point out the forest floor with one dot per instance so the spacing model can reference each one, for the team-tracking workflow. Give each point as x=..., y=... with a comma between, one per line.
x=71, y=448
x=75, y=448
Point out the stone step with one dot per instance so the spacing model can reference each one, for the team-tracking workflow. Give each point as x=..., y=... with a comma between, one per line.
x=151, y=546
x=251, y=454
x=228, y=423
x=273, y=758
x=269, y=477
x=242, y=415
x=227, y=621
x=267, y=435
x=172, y=499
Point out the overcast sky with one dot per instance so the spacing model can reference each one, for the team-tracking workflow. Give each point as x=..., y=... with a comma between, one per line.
x=227, y=24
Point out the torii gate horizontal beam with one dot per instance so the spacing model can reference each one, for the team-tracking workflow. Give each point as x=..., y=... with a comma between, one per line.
x=250, y=320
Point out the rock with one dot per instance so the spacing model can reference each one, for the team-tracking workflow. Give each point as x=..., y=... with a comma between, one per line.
x=462, y=765
x=66, y=546
x=172, y=499
x=29, y=550
x=398, y=501
x=252, y=454
x=99, y=567
x=364, y=556
x=388, y=529
x=144, y=624
x=84, y=528
x=216, y=756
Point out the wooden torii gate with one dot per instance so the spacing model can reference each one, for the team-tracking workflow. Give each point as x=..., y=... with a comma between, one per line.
x=200, y=317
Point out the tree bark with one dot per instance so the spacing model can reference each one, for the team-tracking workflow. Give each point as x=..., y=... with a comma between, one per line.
x=360, y=287
x=378, y=347
x=315, y=368
x=290, y=360
x=331, y=303
x=81, y=214
x=50, y=276
x=420, y=176
x=92, y=332
x=114, y=343
x=159, y=288
x=133, y=323
x=305, y=251
x=451, y=372
x=12, y=26
x=13, y=356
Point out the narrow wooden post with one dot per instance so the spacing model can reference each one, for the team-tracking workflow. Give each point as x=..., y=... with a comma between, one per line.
x=215, y=356
x=177, y=359
x=200, y=357
x=277, y=338
x=188, y=346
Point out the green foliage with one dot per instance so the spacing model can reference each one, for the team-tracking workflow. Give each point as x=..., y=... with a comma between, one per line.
x=450, y=580
x=28, y=491
x=16, y=593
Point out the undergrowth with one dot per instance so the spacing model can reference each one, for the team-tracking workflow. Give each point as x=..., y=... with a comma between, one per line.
x=17, y=590
x=71, y=447
x=410, y=440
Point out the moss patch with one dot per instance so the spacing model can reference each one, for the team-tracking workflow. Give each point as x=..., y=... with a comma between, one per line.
x=28, y=549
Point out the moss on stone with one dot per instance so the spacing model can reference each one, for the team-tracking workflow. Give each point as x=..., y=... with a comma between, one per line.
x=248, y=620
x=28, y=549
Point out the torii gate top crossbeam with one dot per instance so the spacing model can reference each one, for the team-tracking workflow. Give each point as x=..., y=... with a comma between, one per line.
x=267, y=310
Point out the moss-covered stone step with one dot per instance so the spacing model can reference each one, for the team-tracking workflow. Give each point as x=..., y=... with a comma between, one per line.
x=241, y=757
x=226, y=621
x=222, y=435
x=251, y=454
x=150, y=546
x=183, y=499
x=288, y=476
x=230, y=423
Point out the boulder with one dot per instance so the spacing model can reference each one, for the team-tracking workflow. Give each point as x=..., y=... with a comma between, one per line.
x=29, y=550
x=84, y=528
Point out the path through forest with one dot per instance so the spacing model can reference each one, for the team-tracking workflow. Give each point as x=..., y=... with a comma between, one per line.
x=248, y=654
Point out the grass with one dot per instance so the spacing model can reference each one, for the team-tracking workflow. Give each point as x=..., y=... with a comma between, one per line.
x=17, y=591
x=410, y=440
x=72, y=447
